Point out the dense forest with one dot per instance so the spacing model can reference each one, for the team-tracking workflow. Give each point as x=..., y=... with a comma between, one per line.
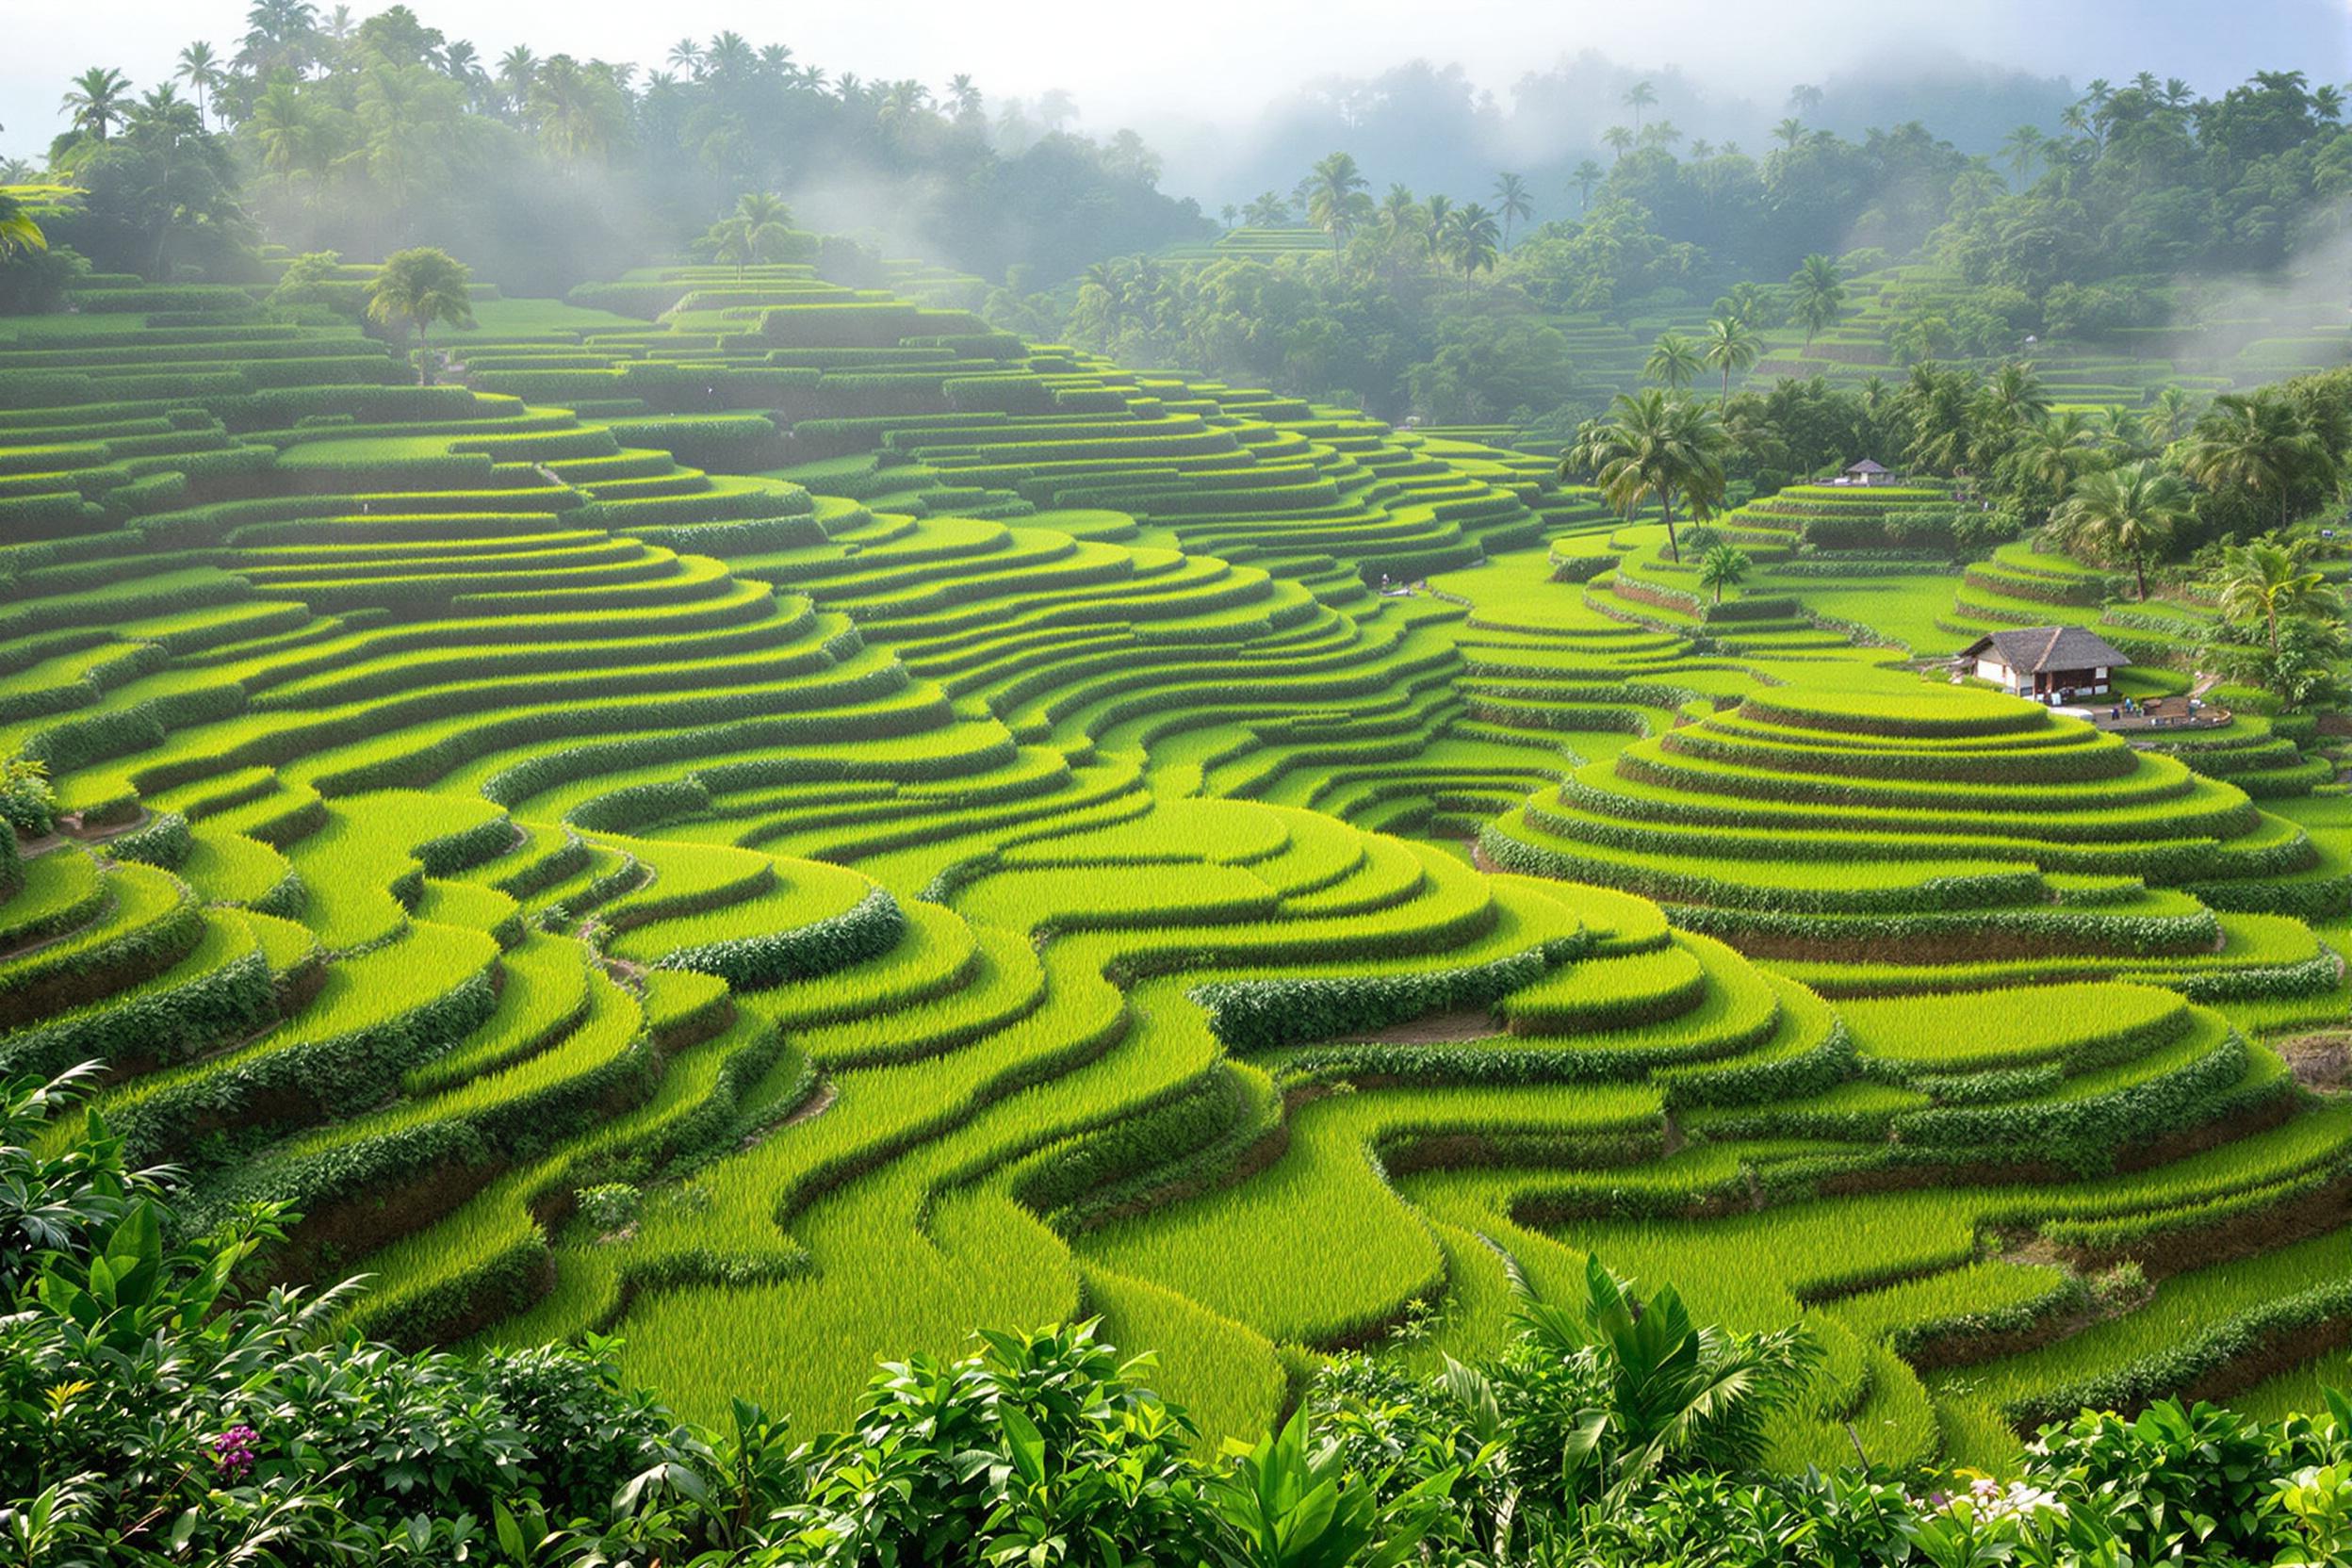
x=362, y=136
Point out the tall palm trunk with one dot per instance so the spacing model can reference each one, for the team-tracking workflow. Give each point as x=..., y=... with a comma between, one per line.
x=1666, y=510
x=424, y=353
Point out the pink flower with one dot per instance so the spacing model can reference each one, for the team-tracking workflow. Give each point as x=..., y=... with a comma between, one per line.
x=233, y=1451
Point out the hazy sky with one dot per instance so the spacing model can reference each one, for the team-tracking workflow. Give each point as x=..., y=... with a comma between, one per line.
x=1220, y=60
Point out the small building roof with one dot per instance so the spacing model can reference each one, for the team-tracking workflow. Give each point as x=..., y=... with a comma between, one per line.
x=1868, y=467
x=2030, y=650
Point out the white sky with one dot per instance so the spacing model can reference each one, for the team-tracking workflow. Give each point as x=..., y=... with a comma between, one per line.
x=1220, y=60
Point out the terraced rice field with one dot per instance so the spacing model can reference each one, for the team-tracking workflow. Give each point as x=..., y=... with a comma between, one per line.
x=955, y=824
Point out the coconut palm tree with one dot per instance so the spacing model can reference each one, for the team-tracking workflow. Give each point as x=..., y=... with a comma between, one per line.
x=2172, y=416
x=1269, y=211
x=2055, y=452
x=686, y=55
x=730, y=57
x=1790, y=130
x=2122, y=516
x=1730, y=345
x=2269, y=582
x=1640, y=95
x=1619, y=140
x=2257, y=444
x=1586, y=174
x=1515, y=204
x=1674, y=360
x=1724, y=567
x=517, y=69
x=2023, y=149
x=200, y=68
x=98, y=100
x=1820, y=294
x=419, y=286
x=1471, y=239
x=1335, y=198
x=1400, y=220
x=1658, y=448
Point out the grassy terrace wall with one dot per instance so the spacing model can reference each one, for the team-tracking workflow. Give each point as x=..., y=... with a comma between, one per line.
x=958, y=828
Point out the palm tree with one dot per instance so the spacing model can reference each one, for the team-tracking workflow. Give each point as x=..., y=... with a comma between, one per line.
x=200, y=68
x=1656, y=449
x=420, y=287
x=1269, y=211
x=760, y=224
x=1471, y=239
x=730, y=57
x=686, y=55
x=2122, y=515
x=517, y=69
x=2023, y=149
x=1619, y=140
x=776, y=59
x=1587, y=174
x=1702, y=150
x=1517, y=205
x=1724, y=567
x=1790, y=130
x=97, y=100
x=2269, y=582
x=1729, y=345
x=1401, y=220
x=2056, y=453
x=284, y=129
x=2257, y=444
x=1335, y=198
x=18, y=232
x=1674, y=1390
x=1820, y=294
x=2171, y=416
x=1674, y=360
x=1639, y=96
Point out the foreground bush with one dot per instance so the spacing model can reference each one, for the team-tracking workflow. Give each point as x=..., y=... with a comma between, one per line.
x=148, y=1415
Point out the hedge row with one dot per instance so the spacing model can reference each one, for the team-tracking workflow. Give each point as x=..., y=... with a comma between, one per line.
x=1262, y=1014
x=867, y=930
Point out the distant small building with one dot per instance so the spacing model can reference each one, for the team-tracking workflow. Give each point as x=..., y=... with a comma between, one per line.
x=1866, y=472
x=2045, y=664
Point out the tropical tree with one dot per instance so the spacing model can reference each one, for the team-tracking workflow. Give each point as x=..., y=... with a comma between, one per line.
x=1674, y=360
x=1640, y=95
x=2258, y=443
x=1335, y=198
x=1269, y=211
x=1660, y=1392
x=1586, y=174
x=2172, y=416
x=1730, y=345
x=1656, y=449
x=755, y=231
x=1620, y=140
x=2122, y=516
x=2269, y=583
x=200, y=68
x=1820, y=291
x=98, y=100
x=18, y=232
x=1724, y=567
x=2054, y=452
x=2024, y=148
x=1790, y=130
x=1471, y=239
x=417, y=287
x=1514, y=203
x=686, y=55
